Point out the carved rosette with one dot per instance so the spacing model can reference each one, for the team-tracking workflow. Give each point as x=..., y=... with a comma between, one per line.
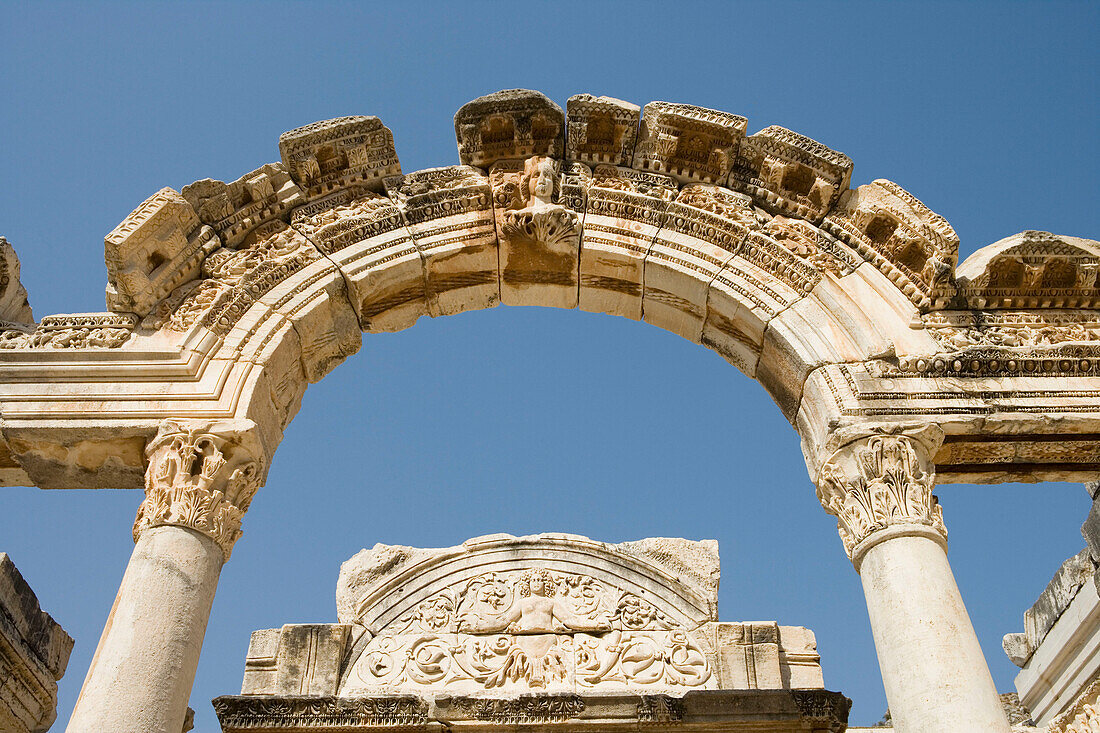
x=198, y=479
x=880, y=482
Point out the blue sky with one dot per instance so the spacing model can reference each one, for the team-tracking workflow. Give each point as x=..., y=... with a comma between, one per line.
x=518, y=419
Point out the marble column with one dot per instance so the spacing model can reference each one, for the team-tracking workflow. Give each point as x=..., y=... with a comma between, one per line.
x=199, y=483
x=880, y=489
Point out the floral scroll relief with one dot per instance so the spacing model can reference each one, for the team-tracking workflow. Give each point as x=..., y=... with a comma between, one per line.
x=532, y=630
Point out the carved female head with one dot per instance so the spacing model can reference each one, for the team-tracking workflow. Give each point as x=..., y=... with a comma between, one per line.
x=540, y=178
x=537, y=582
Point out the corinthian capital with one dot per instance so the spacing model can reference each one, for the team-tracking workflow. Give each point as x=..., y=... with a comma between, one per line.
x=882, y=482
x=202, y=476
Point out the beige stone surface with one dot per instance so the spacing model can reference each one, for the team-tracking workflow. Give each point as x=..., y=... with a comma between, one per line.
x=703, y=229
x=14, y=304
x=758, y=711
x=539, y=237
x=234, y=209
x=344, y=154
x=449, y=212
x=623, y=213
x=553, y=614
x=34, y=651
x=790, y=173
x=368, y=242
x=513, y=124
x=688, y=142
x=157, y=248
x=932, y=666
x=601, y=130
x=1032, y=270
x=227, y=300
x=141, y=675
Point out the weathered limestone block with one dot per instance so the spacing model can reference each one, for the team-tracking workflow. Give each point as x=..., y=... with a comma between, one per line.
x=601, y=130
x=269, y=341
x=275, y=274
x=298, y=659
x=912, y=245
x=692, y=144
x=774, y=711
x=34, y=651
x=753, y=287
x=317, y=303
x=514, y=124
x=775, y=267
x=1063, y=667
x=157, y=248
x=789, y=173
x=852, y=318
x=1049, y=607
x=14, y=305
x=824, y=252
x=539, y=237
x=552, y=612
x=78, y=458
x=800, y=664
x=234, y=209
x=703, y=229
x=367, y=239
x=347, y=153
x=748, y=656
x=1033, y=270
x=1083, y=716
x=792, y=344
x=372, y=589
x=450, y=214
x=624, y=210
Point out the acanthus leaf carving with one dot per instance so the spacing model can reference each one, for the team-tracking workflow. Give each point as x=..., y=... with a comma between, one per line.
x=876, y=483
x=197, y=479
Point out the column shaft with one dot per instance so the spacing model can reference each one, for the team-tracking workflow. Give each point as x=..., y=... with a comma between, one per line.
x=140, y=679
x=879, y=487
x=932, y=666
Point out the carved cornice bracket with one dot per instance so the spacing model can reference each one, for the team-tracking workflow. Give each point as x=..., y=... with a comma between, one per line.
x=201, y=475
x=880, y=486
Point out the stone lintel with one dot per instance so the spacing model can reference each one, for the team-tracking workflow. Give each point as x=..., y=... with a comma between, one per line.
x=775, y=711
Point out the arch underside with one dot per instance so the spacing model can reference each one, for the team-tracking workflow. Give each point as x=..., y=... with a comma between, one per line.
x=843, y=304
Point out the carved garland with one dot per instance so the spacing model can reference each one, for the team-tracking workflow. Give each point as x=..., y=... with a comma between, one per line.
x=881, y=484
x=189, y=483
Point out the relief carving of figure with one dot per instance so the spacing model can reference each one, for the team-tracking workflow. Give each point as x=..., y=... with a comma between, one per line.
x=537, y=610
x=540, y=220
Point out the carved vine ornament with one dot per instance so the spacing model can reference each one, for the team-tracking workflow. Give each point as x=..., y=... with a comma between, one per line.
x=532, y=630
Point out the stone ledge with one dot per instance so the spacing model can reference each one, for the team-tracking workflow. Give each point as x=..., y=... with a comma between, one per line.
x=710, y=710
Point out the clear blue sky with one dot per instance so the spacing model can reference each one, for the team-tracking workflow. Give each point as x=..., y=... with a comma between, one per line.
x=526, y=420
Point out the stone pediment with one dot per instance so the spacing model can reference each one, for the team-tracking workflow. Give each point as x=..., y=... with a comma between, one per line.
x=550, y=628
x=545, y=612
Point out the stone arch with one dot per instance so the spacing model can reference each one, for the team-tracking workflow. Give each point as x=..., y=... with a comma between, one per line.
x=278, y=284
x=227, y=299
